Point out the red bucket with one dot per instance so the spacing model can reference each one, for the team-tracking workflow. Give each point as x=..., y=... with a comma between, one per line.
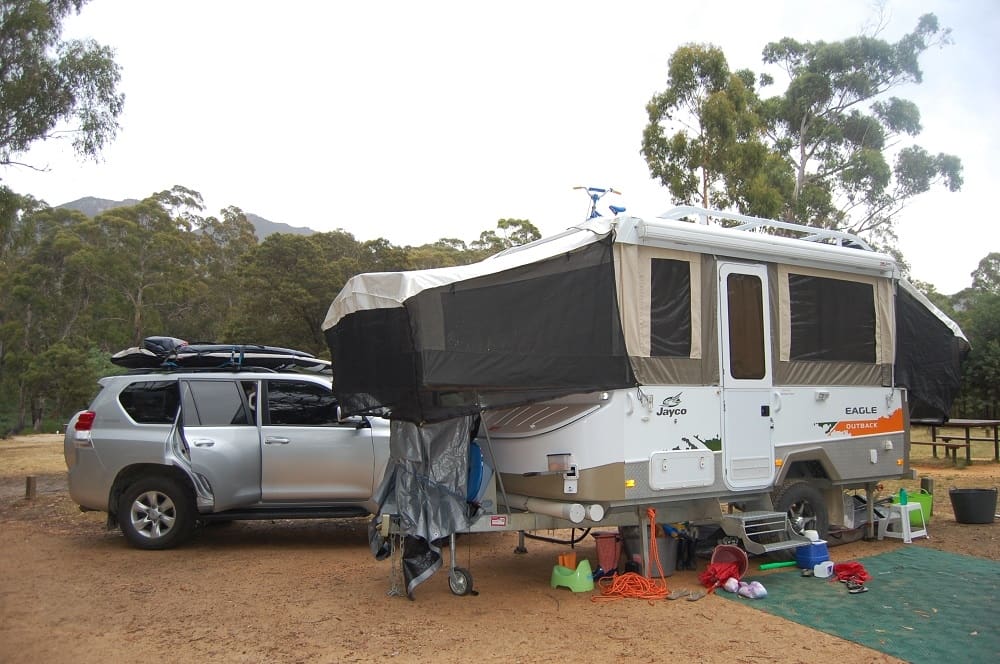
x=727, y=553
x=609, y=550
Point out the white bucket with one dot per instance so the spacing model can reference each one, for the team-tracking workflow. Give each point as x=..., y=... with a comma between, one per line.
x=823, y=570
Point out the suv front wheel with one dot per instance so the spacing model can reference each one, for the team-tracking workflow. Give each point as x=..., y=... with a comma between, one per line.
x=156, y=513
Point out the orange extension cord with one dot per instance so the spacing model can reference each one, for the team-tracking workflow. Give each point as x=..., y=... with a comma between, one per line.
x=635, y=585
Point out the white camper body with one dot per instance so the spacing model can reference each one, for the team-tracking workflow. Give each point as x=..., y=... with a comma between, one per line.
x=760, y=371
x=741, y=431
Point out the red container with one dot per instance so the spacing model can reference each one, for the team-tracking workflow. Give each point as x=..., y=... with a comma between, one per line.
x=609, y=550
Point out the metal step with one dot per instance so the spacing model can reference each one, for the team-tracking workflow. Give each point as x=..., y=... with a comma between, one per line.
x=773, y=528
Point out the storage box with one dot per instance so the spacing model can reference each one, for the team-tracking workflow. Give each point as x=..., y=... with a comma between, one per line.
x=810, y=555
x=666, y=549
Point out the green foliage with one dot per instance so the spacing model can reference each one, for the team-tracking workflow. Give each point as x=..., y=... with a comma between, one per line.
x=977, y=310
x=509, y=233
x=703, y=137
x=74, y=290
x=831, y=150
x=446, y=252
x=835, y=123
x=986, y=276
x=980, y=320
x=47, y=84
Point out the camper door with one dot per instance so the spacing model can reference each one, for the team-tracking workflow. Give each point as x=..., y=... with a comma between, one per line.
x=745, y=343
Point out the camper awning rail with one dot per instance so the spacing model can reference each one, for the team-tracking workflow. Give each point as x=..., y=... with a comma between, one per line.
x=747, y=223
x=737, y=242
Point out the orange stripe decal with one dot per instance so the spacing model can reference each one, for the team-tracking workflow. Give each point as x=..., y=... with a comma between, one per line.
x=892, y=423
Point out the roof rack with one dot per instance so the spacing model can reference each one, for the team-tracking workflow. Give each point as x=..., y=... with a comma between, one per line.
x=232, y=368
x=748, y=223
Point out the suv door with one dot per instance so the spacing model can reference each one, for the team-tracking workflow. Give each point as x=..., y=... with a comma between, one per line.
x=223, y=439
x=309, y=454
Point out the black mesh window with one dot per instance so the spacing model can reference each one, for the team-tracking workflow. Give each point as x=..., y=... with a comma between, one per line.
x=746, y=326
x=832, y=319
x=300, y=403
x=152, y=402
x=670, y=308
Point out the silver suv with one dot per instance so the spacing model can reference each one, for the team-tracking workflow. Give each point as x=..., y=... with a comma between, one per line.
x=165, y=451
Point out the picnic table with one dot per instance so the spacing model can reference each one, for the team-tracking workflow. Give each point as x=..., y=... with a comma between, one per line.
x=944, y=434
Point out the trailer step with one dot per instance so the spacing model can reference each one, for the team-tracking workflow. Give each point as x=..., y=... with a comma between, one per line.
x=762, y=532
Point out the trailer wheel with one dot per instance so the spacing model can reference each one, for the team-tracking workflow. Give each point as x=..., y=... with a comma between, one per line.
x=460, y=581
x=805, y=506
x=803, y=502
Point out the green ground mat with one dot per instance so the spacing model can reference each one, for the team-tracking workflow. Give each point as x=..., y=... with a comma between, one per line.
x=923, y=606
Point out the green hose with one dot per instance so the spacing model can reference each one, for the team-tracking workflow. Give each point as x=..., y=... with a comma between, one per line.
x=787, y=563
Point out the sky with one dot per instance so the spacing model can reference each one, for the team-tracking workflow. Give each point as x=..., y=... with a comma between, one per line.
x=416, y=121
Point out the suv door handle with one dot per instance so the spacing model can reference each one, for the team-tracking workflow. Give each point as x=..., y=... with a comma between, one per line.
x=275, y=440
x=204, y=442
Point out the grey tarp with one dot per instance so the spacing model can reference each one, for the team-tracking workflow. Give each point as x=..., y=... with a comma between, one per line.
x=425, y=484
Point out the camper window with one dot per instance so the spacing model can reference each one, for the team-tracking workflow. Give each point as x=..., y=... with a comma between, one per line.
x=831, y=319
x=746, y=326
x=670, y=308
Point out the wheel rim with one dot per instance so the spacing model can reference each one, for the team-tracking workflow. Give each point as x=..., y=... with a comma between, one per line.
x=459, y=582
x=802, y=516
x=153, y=514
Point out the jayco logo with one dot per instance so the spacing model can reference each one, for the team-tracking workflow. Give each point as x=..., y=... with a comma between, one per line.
x=670, y=406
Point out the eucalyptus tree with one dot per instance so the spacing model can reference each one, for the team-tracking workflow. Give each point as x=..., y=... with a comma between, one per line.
x=286, y=285
x=145, y=262
x=977, y=310
x=224, y=242
x=44, y=302
x=846, y=137
x=986, y=276
x=509, y=233
x=833, y=150
x=446, y=252
x=704, y=141
x=53, y=87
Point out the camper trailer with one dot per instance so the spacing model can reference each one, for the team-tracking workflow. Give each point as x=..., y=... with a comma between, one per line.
x=711, y=365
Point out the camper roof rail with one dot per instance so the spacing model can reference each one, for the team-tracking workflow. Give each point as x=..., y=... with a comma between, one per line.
x=748, y=223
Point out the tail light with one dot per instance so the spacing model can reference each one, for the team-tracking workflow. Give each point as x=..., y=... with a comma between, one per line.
x=81, y=429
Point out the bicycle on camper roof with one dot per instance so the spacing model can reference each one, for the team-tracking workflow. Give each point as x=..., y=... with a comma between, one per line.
x=596, y=194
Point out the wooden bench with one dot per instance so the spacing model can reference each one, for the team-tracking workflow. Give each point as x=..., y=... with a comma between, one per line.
x=952, y=441
x=950, y=447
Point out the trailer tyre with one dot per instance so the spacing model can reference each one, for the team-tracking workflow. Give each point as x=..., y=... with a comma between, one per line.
x=460, y=581
x=805, y=506
x=803, y=502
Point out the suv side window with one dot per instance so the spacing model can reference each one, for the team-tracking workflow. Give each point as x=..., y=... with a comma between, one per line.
x=300, y=403
x=216, y=403
x=151, y=402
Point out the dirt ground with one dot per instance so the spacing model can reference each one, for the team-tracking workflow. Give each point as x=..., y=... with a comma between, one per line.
x=310, y=591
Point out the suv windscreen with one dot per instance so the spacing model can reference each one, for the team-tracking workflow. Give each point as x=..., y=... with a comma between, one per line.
x=153, y=402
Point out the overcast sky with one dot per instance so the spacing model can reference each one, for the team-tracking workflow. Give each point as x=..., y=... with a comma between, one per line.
x=415, y=121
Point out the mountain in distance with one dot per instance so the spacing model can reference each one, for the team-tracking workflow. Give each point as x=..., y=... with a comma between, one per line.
x=92, y=207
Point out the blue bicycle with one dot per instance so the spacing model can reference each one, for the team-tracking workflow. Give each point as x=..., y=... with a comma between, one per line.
x=596, y=194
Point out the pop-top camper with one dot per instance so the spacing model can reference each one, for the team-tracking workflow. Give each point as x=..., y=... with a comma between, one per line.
x=696, y=359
